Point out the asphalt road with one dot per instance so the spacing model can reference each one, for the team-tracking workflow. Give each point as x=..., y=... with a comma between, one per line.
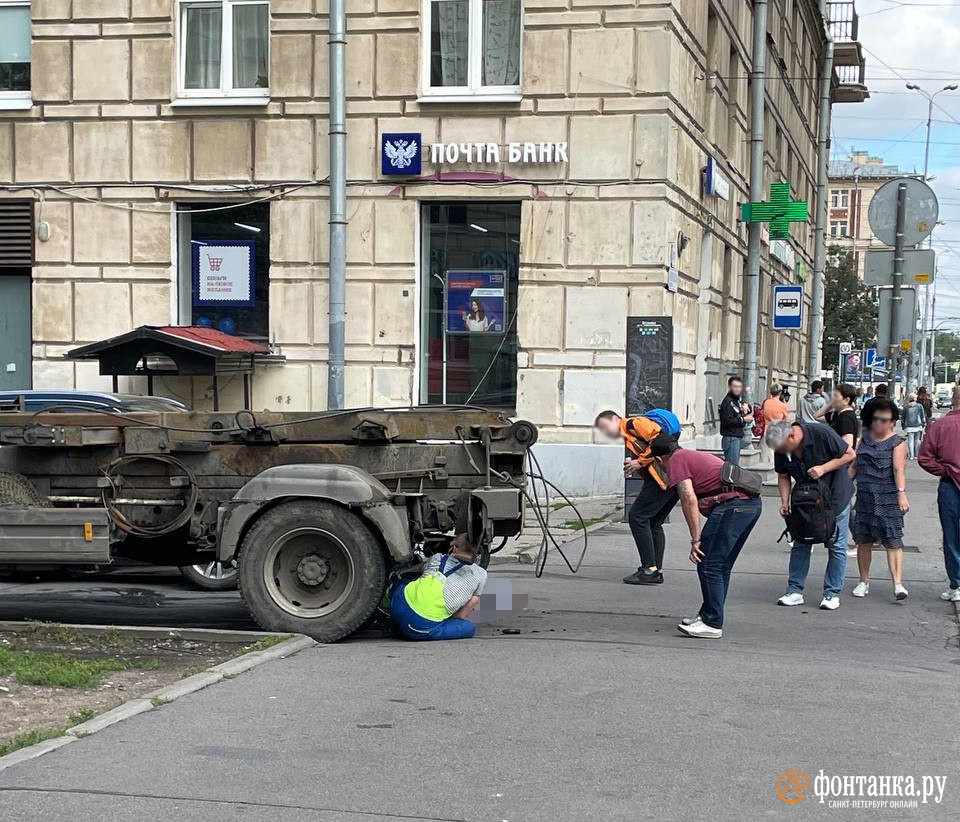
x=596, y=710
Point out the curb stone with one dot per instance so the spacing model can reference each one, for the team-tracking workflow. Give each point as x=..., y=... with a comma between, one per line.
x=162, y=696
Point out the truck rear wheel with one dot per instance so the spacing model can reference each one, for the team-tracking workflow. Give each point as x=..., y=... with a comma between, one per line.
x=313, y=568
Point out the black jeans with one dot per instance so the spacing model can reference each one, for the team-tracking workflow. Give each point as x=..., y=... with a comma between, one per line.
x=646, y=517
x=722, y=537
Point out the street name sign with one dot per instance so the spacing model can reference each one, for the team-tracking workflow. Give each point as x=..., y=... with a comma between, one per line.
x=918, y=266
x=906, y=317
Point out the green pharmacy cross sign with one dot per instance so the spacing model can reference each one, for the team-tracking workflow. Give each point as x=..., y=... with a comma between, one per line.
x=779, y=212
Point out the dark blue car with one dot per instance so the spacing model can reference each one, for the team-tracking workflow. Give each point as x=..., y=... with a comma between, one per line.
x=72, y=401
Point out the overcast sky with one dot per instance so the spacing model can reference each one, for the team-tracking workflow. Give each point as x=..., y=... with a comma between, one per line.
x=916, y=41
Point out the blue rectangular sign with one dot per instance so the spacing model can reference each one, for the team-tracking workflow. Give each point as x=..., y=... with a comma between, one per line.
x=401, y=154
x=787, y=306
x=874, y=361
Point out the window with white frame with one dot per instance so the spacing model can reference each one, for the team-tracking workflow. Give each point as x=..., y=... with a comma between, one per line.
x=14, y=54
x=839, y=198
x=838, y=228
x=224, y=48
x=472, y=48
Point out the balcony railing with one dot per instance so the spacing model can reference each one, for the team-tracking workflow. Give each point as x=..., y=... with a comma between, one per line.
x=850, y=74
x=843, y=19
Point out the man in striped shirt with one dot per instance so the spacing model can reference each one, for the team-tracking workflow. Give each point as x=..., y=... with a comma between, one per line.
x=436, y=604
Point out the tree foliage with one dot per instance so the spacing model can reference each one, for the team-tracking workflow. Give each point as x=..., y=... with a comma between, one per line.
x=849, y=309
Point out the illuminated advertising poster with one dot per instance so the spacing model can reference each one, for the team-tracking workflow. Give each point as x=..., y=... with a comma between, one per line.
x=476, y=302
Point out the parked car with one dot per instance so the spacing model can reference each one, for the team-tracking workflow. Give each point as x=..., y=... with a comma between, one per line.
x=211, y=576
x=40, y=400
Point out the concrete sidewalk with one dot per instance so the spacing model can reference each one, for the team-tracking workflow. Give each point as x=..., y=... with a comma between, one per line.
x=598, y=709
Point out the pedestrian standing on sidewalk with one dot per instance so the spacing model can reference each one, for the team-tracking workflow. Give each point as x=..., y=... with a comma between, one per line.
x=773, y=407
x=714, y=548
x=881, y=468
x=880, y=393
x=940, y=456
x=841, y=416
x=914, y=418
x=923, y=397
x=653, y=503
x=734, y=417
x=814, y=451
x=812, y=402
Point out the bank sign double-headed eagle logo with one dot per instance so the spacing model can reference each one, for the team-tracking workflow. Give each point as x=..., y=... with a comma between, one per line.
x=400, y=154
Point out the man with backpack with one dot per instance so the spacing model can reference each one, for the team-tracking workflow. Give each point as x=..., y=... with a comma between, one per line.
x=815, y=491
x=655, y=500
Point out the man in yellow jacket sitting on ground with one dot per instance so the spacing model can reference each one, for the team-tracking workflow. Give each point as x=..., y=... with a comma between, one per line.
x=436, y=604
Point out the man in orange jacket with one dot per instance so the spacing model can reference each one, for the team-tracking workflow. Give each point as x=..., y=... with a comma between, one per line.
x=654, y=501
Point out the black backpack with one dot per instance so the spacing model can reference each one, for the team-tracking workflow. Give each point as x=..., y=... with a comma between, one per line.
x=811, y=520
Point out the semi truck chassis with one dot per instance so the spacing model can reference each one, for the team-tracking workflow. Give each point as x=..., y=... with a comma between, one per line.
x=317, y=509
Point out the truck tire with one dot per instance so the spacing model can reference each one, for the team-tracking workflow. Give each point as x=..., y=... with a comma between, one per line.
x=211, y=576
x=18, y=490
x=313, y=568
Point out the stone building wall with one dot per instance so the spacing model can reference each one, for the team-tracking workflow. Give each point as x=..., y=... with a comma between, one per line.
x=641, y=91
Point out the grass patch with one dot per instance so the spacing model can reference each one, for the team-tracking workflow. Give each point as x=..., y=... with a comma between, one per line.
x=81, y=716
x=60, y=670
x=158, y=701
x=266, y=642
x=28, y=738
x=577, y=525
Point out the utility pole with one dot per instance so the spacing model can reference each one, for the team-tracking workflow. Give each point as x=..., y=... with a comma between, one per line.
x=338, y=204
x=896, y=302
x=751, y=282
x=929, y=295
x=820, y=215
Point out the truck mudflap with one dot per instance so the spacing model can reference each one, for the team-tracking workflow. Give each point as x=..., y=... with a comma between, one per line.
x=61, y=536
x=340, y=484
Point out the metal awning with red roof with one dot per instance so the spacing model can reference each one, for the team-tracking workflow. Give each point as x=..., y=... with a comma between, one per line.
x=177, y=351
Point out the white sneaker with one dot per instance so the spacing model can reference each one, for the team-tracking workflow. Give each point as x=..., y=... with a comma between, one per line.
x=900, y=592
x=861, y=589
x=851, y=552
x=951, y=595
x=829, y=603
x=791, y=599
x=699, y=630
x=689, y=620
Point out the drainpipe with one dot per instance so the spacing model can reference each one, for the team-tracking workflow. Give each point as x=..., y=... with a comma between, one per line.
x=751, y=283
x=820, y=215
x=338, y=204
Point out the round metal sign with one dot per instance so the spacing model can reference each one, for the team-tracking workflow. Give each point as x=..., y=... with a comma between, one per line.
x=922, y=210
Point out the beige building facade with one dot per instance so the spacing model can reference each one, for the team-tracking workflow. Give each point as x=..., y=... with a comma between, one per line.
x=853, y=182
x=590, y=153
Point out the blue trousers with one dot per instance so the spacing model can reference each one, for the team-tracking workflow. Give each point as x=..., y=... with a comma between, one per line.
x=731, y=448
x=836, y=561
x=948, y=503
x=414, y=626
x=723, y=535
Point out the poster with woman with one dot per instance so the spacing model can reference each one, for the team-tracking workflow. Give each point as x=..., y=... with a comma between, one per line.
x=476, y=302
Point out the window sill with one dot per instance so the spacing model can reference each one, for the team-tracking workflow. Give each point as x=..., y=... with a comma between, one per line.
x=508, y=97
x=218, y=102
x=24, y=104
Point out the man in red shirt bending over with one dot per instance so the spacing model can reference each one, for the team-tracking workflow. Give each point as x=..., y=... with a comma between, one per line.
x=714, y=548
x=940, y=456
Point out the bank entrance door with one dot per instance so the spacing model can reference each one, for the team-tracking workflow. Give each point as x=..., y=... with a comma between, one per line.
x=15, y=371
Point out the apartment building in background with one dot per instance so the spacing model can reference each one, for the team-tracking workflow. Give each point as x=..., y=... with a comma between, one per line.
x=543, y=196
x=853, y=182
